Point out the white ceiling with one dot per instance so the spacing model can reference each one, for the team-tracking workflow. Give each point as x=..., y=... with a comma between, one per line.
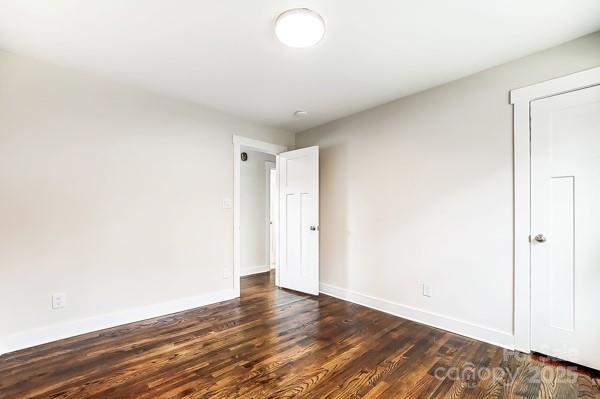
x=223, y=53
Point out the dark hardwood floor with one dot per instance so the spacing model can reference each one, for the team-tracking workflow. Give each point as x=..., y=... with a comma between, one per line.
x=273, y=343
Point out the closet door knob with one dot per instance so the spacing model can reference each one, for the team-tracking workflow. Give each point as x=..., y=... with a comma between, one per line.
x=540, y=238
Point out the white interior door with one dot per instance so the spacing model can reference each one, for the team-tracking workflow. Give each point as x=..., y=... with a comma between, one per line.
x=565, y=225
x=298, y=264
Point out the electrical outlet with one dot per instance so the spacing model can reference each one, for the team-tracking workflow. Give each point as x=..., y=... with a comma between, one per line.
x=427, y=290
x=226, y=272
x=59, y=300
x=227, y=203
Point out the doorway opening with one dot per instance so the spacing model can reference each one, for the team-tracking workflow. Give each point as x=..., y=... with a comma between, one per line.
x=257, y=252
x=285, y=235
x=255, y=209
x=273, y=212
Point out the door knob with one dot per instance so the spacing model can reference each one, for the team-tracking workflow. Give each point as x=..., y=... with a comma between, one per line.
x=540, y=238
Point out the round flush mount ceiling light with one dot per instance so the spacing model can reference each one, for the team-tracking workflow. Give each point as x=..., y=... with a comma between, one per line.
x=299, y=28
x=301, y=114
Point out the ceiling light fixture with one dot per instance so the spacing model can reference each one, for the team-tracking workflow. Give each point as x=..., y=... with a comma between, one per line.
x=299, y=28
x=301, y=113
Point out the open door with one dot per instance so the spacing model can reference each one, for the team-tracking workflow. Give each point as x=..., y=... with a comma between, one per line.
x=299, y=220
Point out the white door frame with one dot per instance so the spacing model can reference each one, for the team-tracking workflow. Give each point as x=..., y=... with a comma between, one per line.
x=261, y=146
x=521, y=100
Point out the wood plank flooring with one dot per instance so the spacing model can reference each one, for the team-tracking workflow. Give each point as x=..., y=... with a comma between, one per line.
x=274, y=343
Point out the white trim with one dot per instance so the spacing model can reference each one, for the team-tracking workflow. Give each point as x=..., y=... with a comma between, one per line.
x=521, y=99
x=277, y=261
x=34, y=337
x=564, y=84
x=461, y=327
x=522, y=185
x=261, y=146
x=238, y=142
x=255, y=270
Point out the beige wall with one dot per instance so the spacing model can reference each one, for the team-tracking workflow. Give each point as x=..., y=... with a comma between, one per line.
x=420, y=190
x=110, y=194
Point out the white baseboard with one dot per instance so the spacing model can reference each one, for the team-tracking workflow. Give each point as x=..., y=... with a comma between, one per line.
x=461, y=327
x=56, y=332
x=27, y=339
x=254, y=270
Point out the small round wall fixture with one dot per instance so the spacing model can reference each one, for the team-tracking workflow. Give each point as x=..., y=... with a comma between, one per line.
x=300, y=28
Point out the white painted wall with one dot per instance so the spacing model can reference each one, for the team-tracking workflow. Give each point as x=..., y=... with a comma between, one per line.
x=421, y=191
x=253, y=213
x=112, y=195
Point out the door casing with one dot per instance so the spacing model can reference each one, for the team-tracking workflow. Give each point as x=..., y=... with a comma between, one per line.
x=521, y=100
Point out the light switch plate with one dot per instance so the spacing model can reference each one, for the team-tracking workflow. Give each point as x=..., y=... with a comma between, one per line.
x=227, y=203
x=427, y=290
x=59, y=300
